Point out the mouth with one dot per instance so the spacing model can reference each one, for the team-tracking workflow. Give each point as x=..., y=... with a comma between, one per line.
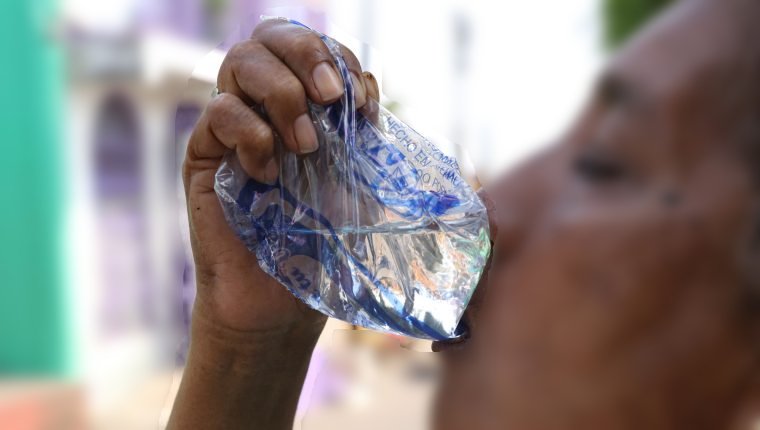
x=458, y=342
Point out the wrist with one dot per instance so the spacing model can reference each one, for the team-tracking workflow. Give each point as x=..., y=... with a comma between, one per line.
x=242, y=378
x=215, y=345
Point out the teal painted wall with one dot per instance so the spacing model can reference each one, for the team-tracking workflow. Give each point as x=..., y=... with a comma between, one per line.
x=33, y=332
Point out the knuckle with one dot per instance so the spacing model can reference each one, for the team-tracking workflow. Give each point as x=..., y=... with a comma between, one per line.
x=307, y=48
x=217, y=109
x=262, y=135
x=239, y=50
x=239, y=53
x=308, y=43
x=186, y=171
x=263, y=27
x=229, y=62
x=185, y=167
x=286, y=89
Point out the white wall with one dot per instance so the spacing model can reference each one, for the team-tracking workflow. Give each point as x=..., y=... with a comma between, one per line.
x=529, y=67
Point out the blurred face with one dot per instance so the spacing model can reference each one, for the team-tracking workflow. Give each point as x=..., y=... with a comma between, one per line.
x=619, y=288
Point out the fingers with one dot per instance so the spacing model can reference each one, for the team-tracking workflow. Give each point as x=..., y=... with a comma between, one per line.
x=252, y=72
x=279, y=68
x=310, y=60
x=229, y=123
x=305, y=54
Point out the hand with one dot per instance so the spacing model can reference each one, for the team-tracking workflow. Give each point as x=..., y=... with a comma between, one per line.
x=278, y=68
x=251, y=339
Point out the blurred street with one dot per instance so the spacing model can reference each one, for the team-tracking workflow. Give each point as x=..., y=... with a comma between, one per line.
x=94, y=328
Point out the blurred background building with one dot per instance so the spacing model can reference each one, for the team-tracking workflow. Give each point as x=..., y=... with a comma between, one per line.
x=100, y=98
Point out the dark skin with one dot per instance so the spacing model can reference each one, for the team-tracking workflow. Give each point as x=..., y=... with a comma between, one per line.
x=622, y=292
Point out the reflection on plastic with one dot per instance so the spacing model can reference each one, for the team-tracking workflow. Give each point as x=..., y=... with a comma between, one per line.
x=376, y=228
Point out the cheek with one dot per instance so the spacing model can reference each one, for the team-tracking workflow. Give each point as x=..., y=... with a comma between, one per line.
x=585, y=283
x=583, y=293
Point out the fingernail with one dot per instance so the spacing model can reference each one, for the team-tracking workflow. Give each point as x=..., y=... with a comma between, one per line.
x=328, y=83
x=360, y=96
x=306, y=136
x=371, y=85
x=271, y=171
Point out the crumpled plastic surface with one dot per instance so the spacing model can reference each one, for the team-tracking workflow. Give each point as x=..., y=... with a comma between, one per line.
x=376, y=228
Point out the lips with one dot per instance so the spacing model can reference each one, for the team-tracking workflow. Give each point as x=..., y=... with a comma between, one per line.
x=457, y=342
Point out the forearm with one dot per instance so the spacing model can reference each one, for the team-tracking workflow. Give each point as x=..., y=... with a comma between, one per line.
x=242, y=379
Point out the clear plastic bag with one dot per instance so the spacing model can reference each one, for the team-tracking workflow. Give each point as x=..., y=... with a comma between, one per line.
x=376, y=228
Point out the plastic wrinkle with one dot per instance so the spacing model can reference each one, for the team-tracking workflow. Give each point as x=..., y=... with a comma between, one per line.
x=376, y=228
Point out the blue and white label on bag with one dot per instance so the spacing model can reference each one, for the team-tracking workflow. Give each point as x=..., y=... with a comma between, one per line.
x=376, y=228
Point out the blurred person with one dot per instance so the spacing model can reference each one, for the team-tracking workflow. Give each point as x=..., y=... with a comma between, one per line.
x=624, y=283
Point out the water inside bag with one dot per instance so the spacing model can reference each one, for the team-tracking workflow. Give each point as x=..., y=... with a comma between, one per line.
x=376, y=228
